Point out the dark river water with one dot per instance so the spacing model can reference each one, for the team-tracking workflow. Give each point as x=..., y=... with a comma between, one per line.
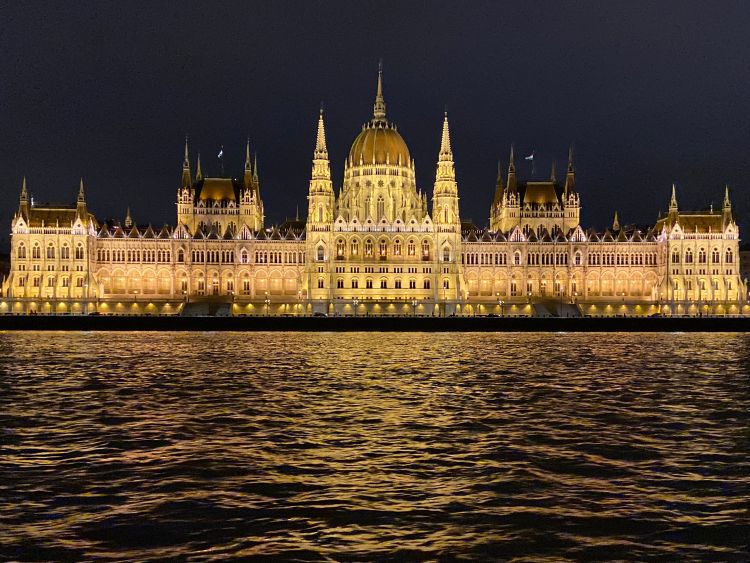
x=374, y=446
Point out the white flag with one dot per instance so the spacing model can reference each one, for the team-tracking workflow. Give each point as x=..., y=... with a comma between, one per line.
x=530, y=157
x=221, y=153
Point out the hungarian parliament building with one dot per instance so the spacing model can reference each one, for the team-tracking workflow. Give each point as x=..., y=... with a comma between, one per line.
x=376, y=246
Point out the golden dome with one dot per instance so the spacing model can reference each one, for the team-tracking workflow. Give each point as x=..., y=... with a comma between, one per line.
x=379, y=143
x=217, y=189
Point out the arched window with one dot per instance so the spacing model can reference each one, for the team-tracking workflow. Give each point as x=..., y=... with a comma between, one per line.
x=517, y=258
x=340, y=283
x=427, y=283
x=397, y=248
x=688, y=256
x=675, y=257
x=381, y=208
x=243, y=256
x=383, y=247
x=368, y=247
x=355, y=283
x=411, y=248
x=65, y=252
x=728, y=256
x=383, y=283
x=702, y=256
x=320, y=254
x=425, y=249
x=180, y=255
x=578, y=258
x=715, y=256
x=355, y=247
x=79, y=252
x=340, y=248
x=22, y=251
x=446, y=254
x=50, y=252
x=320, y=213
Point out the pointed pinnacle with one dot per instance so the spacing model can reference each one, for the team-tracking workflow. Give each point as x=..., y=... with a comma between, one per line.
x=186, y=162
x=247, y=154
x=445, y=141
x=321, y=148
x=379, y=106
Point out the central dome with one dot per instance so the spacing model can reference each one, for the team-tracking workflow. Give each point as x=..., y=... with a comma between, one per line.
x=379, y=143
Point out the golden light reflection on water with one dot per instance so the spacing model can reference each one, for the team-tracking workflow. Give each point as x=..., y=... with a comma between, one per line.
x=373, y=445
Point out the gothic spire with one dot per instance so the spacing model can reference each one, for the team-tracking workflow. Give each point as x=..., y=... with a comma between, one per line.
x=128, y=219
x=81, y=194
x=248, y=164
x=511, y=185
x=553, y=173
x=673, y=200
x=570, y=176
x=24, y=193
x=616, y=223
x=186, y=180
x=498, y=185
x=256, y=181
x=446, y=153
x=81, y=202
x=378, y=112
x=727, y=203
x=198, y=172
x=321, y=149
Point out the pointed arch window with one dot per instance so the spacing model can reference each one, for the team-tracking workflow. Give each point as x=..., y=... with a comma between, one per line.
x=355, y=247
x=728, y=257
x=368, y=247
x=340, y=248
x=702, y=256
x=688, y=256
x=715, y=256
x=22, y=251
x=446, y=254
x=381, y=208
x=321, y=254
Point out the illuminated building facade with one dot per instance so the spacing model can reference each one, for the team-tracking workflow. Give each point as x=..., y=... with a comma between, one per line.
x=374, y=248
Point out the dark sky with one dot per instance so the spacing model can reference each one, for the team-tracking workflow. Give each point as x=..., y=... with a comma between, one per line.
x=650, y=93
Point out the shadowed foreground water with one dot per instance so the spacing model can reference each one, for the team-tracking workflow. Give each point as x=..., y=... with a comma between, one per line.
x=374, y=446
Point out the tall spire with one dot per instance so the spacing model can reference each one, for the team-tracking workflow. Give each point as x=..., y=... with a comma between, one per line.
x=256, y=180
x=727, y=209
x=81, y=203
x=378, y=112
x=186, y=180
x=511, y=186
x=321, y=169
x=81, y=194
x=23, y=201
x=24, y=192
x=553, y=173
x=616, y=223
x=570, y=176
x=128, y=219
x=445, y=142
x=673, y=200
x=498, y=185
x=247, y=177
x=198, y=172
x=321, y=149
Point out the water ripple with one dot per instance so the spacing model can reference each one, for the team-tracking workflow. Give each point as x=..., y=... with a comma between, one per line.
x=374, y=446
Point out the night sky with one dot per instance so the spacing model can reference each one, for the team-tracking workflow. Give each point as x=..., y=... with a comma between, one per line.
x=649, y=93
